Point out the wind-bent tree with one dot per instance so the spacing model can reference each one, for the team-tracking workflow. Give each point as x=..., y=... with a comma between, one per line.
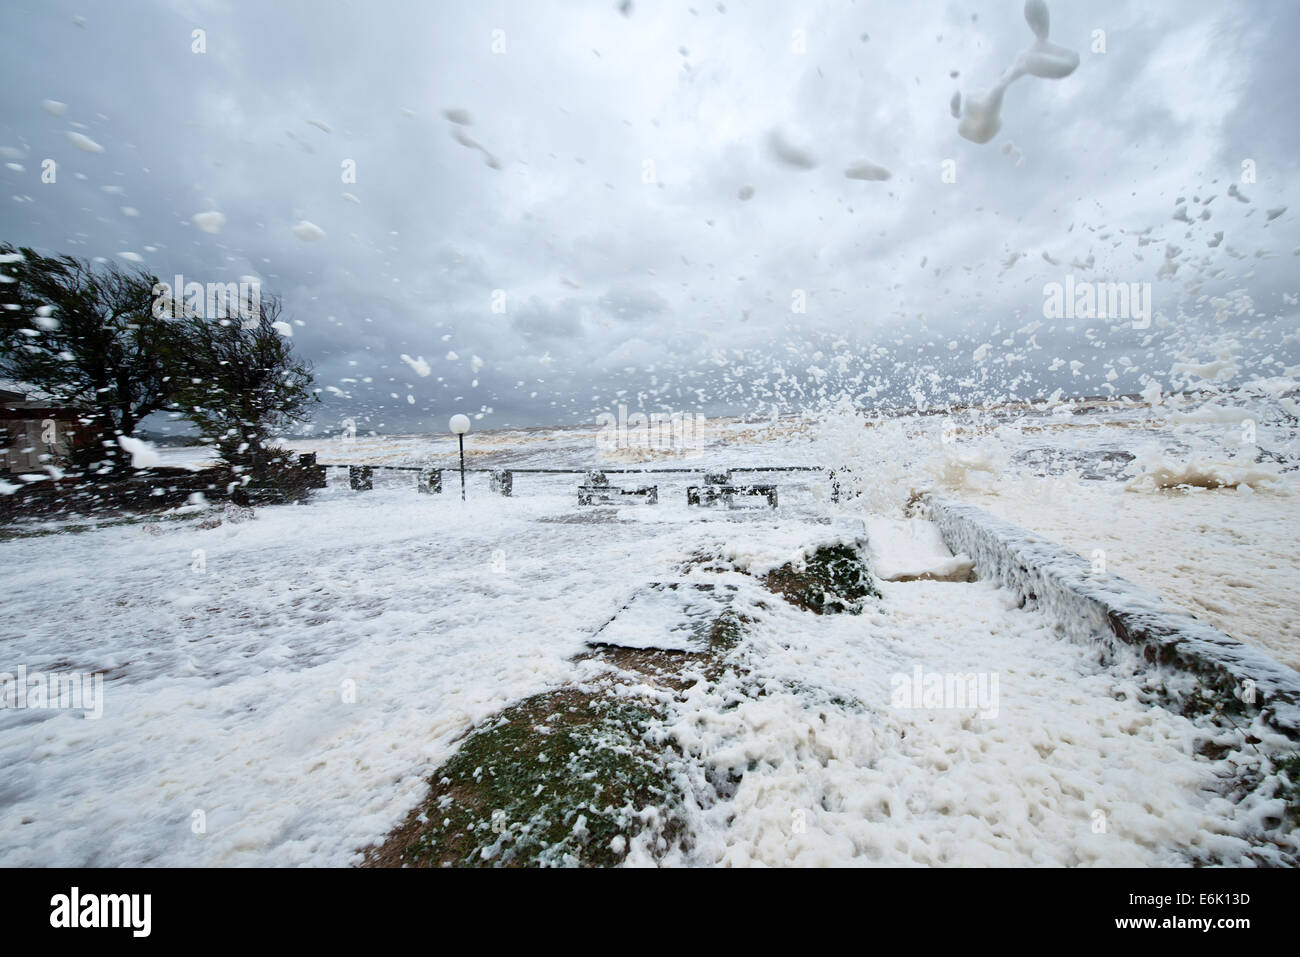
x=100, y=338
x=87, y=336
x=240, y=383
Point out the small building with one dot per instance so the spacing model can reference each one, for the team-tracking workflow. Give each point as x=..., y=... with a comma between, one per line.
x=35, y=431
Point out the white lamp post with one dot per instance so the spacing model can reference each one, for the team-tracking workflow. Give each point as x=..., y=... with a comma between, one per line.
x=460, y=425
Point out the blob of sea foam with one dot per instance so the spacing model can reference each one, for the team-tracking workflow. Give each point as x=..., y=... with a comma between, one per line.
x=981, y=116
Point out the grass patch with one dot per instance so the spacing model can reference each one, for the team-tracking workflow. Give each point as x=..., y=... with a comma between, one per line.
x=572, y=777
x=725, y=632
x=832, y=581
x=1289, y=769
x=1213, y=702
x=565, y=778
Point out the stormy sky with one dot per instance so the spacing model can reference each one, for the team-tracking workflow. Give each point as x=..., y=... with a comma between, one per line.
x=559, y=207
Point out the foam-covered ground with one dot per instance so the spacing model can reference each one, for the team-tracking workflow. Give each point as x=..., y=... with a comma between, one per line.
x=292, y=680
x=1090, y=475
x=229, y=692
x=1060, y=773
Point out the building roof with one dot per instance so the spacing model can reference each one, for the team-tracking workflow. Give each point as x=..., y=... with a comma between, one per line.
x=32, y=402
x=29, y=411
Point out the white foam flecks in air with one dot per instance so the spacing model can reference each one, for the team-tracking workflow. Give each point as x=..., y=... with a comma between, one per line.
x=54, y=107
x=143, y=455
x=954, y=105
x=323, y=127
x=132, y=257
x=787, y=153
x=745, y=192
x=1212, y=370
x=982, y=117
x=1151, y=394
x=1237, y=194
x=300, y=142
x=1047, y=61
x=475, y=363
x=44, y=320
x=1275, y=213
x=464, y=139
x=1038, y=18
x=83, y=142
x=308, y=232
x=418, y=364
x=283, y=328
x=867, y=171
x=457, y=115
x=351, y=198
x=210, y=221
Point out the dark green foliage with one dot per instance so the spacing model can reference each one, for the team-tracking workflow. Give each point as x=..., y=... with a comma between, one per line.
x=100, y=347
x=515, y=791
x=122, y=346
x=833, y=580
x=240, y=383
x=725, y=632
x=276, y=478
x=1289, y=767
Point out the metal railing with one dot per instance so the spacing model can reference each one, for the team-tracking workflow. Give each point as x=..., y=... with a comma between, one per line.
x=717, y=485
x=582, y=471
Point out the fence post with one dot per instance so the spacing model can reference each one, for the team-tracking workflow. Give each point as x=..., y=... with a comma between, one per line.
x=502, y=482
x=429, y=482
x=361, y=478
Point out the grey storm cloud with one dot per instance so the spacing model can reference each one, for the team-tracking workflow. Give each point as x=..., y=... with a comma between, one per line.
x=631, y=303
x=552, y=192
